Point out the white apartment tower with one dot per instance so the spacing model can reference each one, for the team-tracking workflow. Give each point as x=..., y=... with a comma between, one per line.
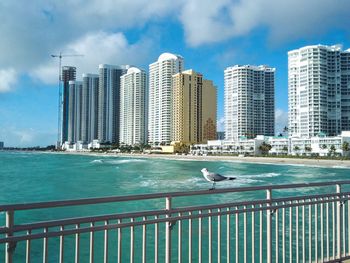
x=74, y=111
x=133, y=107
x=249, y=101
x=160, y=97
x=109, y=102
x=318, y=90
x=89, y=111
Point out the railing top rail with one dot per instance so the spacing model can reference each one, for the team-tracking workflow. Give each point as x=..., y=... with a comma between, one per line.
x=111, y=199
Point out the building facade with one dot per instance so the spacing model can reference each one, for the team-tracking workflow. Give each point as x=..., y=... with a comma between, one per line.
x=249, y=101
x=160, y=97
x=312, y=146
x=133, y=107
x=109, y=102
x=74, y=111
x=193, y=108
x=89, y=111
x=318, y=91
x=68, y=73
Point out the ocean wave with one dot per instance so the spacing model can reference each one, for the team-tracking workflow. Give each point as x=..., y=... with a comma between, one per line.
x=245, y=181
x=125, y=161
x=97, y=161
x=340, y=167
x=264, y=175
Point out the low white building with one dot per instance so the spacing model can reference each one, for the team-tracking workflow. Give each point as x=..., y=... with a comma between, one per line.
x=95, y=144
x=243, y=146
x=314, y=146
x=279, y=145
x=320, y=145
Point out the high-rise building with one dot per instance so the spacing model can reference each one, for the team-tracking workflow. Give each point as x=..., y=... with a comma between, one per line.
x=109, y=102
x=1, y=145
x=249, y=101
x=89, y=111
x=133, y=107
x=193, y=108
x=345, y=89
x=160, y=97
x=318, y=91
x=74, y=111
x=68, y=73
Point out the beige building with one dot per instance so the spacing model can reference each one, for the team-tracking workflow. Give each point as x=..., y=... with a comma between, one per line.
x=193, y=108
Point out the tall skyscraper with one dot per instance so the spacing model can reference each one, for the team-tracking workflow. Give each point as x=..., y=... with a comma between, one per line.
x=318, y=90
x=133, y=107
x=109, y=102
x=160, y=97
x=89, y=112
x=193, y=108
x=68, y=73
x=74, y=111
x=249, y=101
x=345, y=89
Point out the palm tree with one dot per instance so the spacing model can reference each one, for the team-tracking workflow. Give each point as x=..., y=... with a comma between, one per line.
x=308, y=149
x=285, y=149
x=265, y=148
x=332, y=150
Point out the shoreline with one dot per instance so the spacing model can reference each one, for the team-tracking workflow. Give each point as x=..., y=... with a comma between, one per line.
x=258, y=160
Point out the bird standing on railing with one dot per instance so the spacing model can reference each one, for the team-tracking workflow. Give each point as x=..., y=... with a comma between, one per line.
x=213, y=177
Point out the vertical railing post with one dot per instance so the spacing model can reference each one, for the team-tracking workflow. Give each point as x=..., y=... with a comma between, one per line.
x=268, y=227
x=168, y=232
x=339, y=223
x=10, y=246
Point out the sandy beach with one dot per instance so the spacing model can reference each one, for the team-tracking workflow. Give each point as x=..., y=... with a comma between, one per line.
x=261, y=160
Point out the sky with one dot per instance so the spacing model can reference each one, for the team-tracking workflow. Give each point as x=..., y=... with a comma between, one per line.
x=210, y=35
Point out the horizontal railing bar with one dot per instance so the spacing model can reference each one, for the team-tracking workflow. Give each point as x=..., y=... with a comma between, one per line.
x=257, y=202
x=159, y=220
x=81, y=220
x=337, y=260
x=90, y=201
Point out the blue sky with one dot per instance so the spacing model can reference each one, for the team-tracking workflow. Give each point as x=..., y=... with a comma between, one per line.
x=210, y=35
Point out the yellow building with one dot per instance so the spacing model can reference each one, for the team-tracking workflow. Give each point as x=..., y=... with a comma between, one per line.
x=193, y=108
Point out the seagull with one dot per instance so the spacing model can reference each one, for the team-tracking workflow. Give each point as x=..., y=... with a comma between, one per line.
x=213, y=177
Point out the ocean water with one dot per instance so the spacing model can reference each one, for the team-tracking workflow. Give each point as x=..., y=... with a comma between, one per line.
x=34, y=177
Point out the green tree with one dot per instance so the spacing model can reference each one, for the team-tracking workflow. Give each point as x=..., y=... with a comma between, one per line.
x=346, y=146
x=265, y=148
x=332, y=150
x=285, y=149
x=308, y=149
x=296, y=148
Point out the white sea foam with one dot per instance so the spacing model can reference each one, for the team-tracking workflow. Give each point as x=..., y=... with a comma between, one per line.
x=264, y=175
x=241, y=181
x=125, y=161
x=340, y=167
x=97, y=161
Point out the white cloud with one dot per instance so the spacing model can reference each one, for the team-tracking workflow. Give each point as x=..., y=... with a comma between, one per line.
x=14, y=136
x=220, y=124
x=43, y=27
x=281, y=120
x=8, y=78
x=214, y=21
x=96, y=48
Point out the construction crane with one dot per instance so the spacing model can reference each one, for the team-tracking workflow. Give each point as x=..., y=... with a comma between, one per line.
x=60, y=100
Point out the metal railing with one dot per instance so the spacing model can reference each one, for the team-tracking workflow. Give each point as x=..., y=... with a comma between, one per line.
x=311, y=227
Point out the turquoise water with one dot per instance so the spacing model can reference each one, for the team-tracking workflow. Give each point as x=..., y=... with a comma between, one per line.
x=35, y=177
